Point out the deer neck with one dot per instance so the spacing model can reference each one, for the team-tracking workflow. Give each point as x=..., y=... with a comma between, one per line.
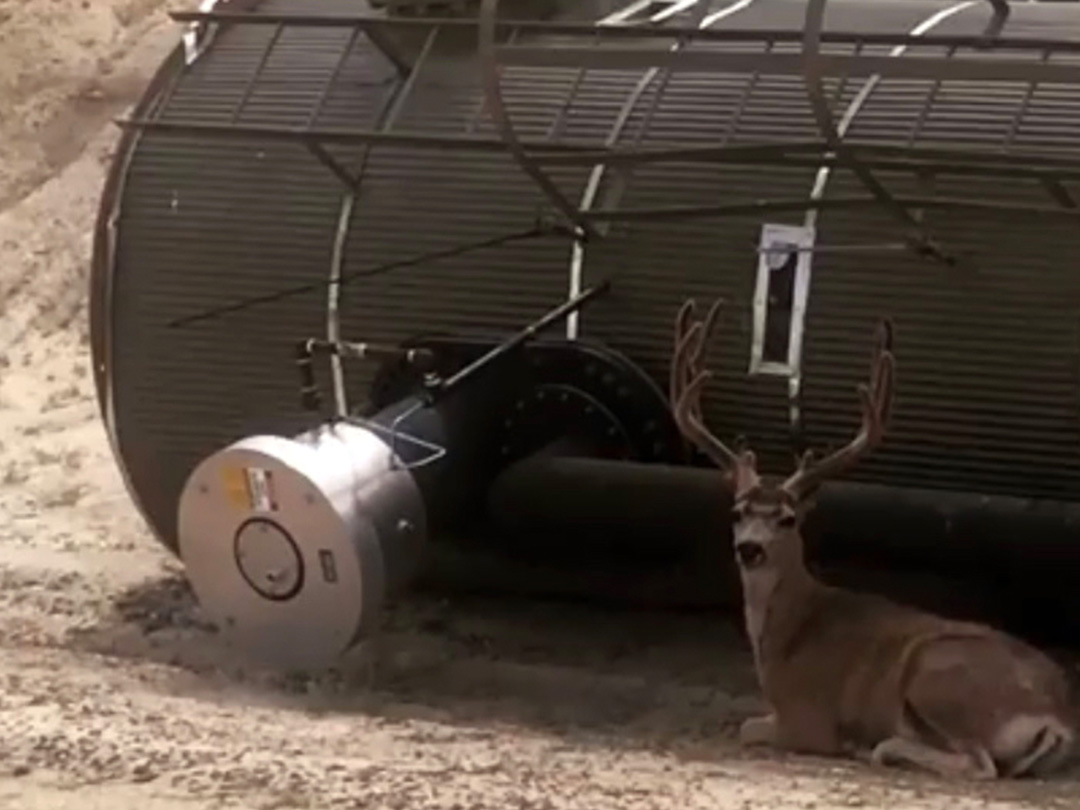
x=774, y=603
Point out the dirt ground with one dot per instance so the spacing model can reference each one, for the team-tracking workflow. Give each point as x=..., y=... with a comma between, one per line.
x=114, y=694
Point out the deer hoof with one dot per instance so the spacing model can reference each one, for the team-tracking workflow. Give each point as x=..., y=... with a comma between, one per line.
x=758, y=731
x=982, y=768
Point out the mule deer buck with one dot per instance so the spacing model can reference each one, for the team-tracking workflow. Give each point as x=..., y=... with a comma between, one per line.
x=855, y=674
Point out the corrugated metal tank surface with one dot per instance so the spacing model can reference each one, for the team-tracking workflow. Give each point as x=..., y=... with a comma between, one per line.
x=987, y=352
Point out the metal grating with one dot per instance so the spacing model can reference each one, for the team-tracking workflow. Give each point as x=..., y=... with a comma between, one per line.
x=237, y=181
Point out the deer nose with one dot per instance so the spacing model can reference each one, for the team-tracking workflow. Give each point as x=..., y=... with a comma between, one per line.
x=750, y=554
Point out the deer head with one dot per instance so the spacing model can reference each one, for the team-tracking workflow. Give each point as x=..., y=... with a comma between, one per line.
x=768, y=511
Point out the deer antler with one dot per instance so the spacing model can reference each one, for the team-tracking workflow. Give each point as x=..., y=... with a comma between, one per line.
x=688, y=378
x=876, y=401
x=691, y=350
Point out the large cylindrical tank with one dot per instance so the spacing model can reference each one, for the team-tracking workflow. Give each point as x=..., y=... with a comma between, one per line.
x=267, y=156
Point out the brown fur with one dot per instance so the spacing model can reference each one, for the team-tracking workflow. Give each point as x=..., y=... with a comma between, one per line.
x=845, y=671
x=848, y=673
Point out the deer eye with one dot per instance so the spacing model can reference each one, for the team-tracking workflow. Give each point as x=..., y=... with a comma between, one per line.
x=736, y=515
x=786, y=521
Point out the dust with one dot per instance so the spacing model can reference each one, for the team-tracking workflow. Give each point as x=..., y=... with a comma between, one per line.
x=115, y=692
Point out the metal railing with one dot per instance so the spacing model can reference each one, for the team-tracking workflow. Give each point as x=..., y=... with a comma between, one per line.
x=989, y=56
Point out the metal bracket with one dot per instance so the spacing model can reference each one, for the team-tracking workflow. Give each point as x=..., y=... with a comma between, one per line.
x=784, y=240
x=306, y=351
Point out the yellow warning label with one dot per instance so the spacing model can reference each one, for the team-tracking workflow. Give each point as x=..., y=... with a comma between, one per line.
x=236, y=487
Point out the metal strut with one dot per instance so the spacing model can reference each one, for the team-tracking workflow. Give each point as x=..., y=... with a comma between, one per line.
x=802, y=290
x=555, y=315
x=911, y=159
x=489, y=66
x=648, y=47
x=997, y=21
x=596, y=176
x=815, y=91
x=701, y=19
x=388, y=113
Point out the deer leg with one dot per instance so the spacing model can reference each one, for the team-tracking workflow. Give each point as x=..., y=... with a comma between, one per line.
x=906, y=751
x=1032, y=745
x=758, y=731
x=798, y=730
x=859, y=753
x=951, y=688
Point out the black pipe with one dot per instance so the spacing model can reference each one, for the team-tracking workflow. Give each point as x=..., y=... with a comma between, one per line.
x=443, y=446
x=1019, y=554
x=653, y=500
x=557, y=314
x=629, y=505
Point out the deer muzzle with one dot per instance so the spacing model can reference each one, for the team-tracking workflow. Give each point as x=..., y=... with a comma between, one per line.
x=749, y=554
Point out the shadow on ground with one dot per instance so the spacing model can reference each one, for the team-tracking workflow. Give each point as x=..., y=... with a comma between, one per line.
x=540, y=664
x=678, y=683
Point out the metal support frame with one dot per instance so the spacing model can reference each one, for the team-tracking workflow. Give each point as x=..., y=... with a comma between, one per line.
x=444, y=387
x=847, y=56
x=314, y=140
x=613, y=58
x=792, y=369
x=596, y=176
x=759, y=207
x=501, y=117
x=917, y=236
x=388, y=116
x=800, y=154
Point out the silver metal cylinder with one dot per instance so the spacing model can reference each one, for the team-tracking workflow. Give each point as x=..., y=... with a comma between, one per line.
x=291, y=545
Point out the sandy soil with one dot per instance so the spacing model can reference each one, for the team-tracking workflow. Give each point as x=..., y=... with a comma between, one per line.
x=114, y=694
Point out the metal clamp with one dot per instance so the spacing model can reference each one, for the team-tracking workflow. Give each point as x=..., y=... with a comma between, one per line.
x=310, y=400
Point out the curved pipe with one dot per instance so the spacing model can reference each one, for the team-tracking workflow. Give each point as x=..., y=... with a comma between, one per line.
x=802, y=288
x=867, y=89
x=489, y=67
x=388, y=113
x=819, y=105
x=588, y=197
x=333, y=301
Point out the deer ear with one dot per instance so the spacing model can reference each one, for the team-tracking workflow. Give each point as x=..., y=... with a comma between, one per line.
x=789, y=517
